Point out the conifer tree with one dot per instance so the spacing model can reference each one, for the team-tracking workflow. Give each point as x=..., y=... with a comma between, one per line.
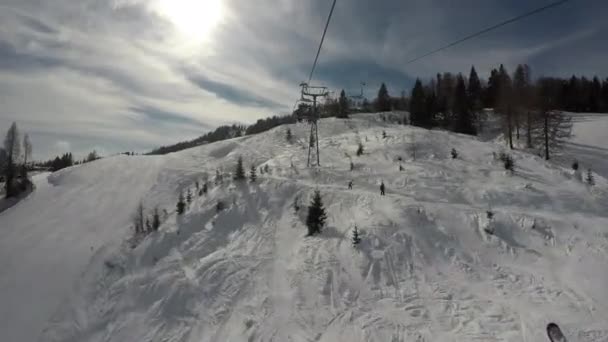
x=464, y=120
x=239, y=172
x=156, y=220
x=352, y=166
x=383, y=102
x=360, y=149
x=474, y=92
x=356, y=238
x=418, y=106
x=316, y=215
x=454, y=153
x=589, y=179
x=181, y=205
x=343, y=105
x=252, y=174
x=288, y=135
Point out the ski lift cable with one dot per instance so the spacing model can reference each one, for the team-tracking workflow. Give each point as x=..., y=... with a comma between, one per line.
x=488, y=29
x=314, y=65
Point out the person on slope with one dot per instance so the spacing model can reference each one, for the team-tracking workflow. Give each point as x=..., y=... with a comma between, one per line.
x=350, y=185
x=382, y=189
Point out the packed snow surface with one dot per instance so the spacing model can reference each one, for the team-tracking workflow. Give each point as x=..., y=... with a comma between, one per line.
x=432, y=265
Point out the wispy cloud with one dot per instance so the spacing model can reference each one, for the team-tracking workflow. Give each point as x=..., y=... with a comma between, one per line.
x=115, y=73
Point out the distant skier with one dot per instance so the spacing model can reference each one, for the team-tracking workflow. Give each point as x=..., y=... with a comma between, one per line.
x=382, y=189
x=350, y=185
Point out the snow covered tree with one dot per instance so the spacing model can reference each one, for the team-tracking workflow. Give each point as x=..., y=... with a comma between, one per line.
x=589, y=179
x=205, y=188
x=316, y=215
x=181, y=204
x=356, y=239
x=288, y=135
x=383, y=102
x=360, y=149
x=12, y=146
x=343, y=105
x=296, y=204
x=239, y=171
x=252, y=174
x=454, y=153
x=189, y=196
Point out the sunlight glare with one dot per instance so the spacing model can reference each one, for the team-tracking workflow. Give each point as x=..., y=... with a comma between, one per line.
x=194, y=19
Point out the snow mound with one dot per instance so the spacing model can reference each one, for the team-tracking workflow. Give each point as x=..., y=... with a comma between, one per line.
x=432, y=265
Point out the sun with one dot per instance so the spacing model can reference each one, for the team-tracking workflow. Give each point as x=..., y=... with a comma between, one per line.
x=194, y=19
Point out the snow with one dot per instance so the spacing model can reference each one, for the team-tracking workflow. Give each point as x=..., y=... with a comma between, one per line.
x=426, y=269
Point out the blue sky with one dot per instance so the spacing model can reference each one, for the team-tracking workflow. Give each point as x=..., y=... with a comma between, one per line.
x=119, y=75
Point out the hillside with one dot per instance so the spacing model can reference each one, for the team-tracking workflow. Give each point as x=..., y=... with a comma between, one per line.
x=426, y=270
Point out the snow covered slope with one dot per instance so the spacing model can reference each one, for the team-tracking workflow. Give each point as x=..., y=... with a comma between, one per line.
x=427, y=268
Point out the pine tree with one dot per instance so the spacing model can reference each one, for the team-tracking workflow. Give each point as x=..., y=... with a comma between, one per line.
x=589, y=179
x=139, y=219
x=383, y=102
x=474, y=92
x=360, y=149
x=343, y=105
x=575, y=165
x=418, y=106
x=505, y=102
x=356, y=239
x=454, y=153
x=464, y=120
x=205, y=188
x=352, y=166
x=155, y=220
x=288, y=135
x=316, y=215
x=239, y=172
x=220, y=206
x=189, y=197
x=252, y=174
x=181, y=205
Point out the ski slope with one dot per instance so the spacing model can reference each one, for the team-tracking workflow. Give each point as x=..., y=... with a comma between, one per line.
x=426, y=270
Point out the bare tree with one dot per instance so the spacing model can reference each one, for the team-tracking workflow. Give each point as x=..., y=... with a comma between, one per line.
x=552, y=131
x=27, y=149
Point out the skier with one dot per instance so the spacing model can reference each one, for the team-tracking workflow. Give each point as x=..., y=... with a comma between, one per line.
x=382, y=188
x=350, y=185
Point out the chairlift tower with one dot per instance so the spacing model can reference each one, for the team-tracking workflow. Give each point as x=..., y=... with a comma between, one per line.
x=310, y=94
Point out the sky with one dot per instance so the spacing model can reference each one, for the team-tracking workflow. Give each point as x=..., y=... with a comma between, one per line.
x=132, y=75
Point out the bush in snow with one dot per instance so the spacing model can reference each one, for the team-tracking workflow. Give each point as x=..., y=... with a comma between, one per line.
x=454, y=153
x=356, y=239
x=181, y=204
x=383, y=134
x=239, y=171
x=360, y=150
x=266, y=168
x=198, y=185
x=589, y=179
x=352, y=166
x=575, y=165
x=316, y=215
